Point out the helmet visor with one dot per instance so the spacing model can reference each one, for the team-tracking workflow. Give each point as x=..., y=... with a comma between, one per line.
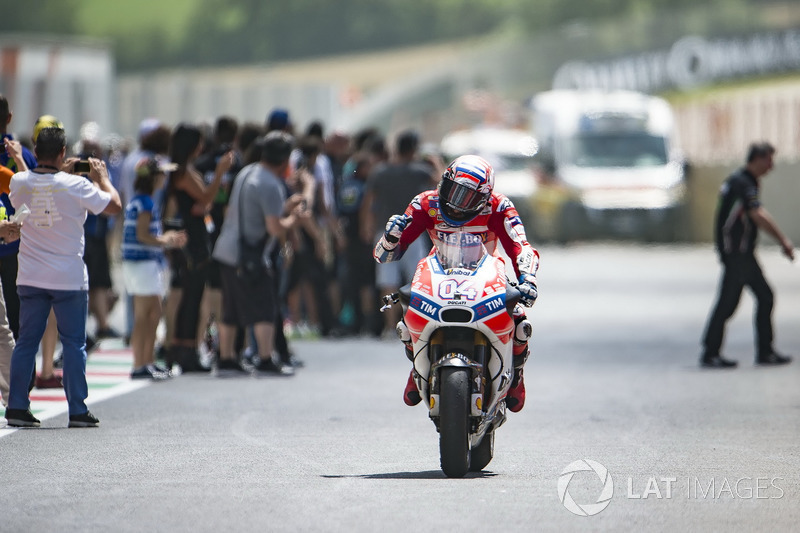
x=461, y=202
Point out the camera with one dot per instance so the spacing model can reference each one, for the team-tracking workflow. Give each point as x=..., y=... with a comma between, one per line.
x=82, y=167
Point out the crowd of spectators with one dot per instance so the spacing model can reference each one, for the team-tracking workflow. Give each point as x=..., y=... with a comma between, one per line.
x=198, y=201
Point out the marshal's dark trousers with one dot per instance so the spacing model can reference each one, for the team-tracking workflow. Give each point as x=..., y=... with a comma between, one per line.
x=740, y=271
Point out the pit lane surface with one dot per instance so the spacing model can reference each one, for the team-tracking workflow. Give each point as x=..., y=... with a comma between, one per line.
x=613, y=379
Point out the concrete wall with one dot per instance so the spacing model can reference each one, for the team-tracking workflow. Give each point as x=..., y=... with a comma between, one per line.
x=780, y=194
x=70, y=79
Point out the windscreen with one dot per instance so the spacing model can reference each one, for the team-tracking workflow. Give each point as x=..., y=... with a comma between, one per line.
x=459, y=249
x=628, y=149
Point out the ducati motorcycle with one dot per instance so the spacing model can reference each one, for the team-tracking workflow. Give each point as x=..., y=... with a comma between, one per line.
x=458, y=331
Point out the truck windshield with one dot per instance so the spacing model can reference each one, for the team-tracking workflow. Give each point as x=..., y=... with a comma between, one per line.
x=630, y=149
x=509, y=162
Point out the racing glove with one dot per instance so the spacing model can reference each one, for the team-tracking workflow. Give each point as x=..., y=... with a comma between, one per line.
x=527, y=286
x=394, y=229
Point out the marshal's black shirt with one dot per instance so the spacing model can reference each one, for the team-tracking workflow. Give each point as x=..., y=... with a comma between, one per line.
x=735, y=232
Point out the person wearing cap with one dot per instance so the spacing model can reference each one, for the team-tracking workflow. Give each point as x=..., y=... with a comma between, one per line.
x=257, y=216
x=147, y=128
x=144, y=266
x=153, y=140
x=278, y=120
x=52, y=272
x=48, y=377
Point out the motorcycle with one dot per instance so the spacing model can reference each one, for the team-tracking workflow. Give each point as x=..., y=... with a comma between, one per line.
x=458, y=330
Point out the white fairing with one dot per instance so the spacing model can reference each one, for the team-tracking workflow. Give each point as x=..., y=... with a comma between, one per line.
x=466, y=279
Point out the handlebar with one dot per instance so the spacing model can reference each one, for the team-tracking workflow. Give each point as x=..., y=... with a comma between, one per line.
x=389, y=300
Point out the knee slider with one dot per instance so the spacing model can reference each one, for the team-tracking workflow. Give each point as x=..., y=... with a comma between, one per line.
x=405, y=336
x=402, y=332
x=523, y=332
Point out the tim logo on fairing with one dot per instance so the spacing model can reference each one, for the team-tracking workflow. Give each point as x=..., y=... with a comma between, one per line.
x=490, y=307
x=425, y=306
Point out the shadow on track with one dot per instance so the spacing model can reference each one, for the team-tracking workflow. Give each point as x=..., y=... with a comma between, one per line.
x=428, y=474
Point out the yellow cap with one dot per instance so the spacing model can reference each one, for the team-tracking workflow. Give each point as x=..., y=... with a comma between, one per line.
x=45, y=121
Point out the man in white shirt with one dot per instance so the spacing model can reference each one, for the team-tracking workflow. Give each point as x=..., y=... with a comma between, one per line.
x=51, y=269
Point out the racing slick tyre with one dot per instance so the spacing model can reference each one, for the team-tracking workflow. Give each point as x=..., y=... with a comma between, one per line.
x=454, y=412
x=481, y=455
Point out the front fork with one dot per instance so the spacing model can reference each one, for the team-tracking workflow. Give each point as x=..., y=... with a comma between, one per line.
x=476, y=364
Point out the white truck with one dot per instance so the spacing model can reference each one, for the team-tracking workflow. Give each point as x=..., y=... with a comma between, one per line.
x=609, y=164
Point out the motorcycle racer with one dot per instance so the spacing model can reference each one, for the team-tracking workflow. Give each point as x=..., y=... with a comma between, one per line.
x=465, y=201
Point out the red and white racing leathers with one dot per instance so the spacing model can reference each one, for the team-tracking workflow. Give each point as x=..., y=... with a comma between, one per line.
x=499, y=221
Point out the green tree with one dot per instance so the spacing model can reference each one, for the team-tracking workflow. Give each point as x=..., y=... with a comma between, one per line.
x=253, y=30
x=38, y=16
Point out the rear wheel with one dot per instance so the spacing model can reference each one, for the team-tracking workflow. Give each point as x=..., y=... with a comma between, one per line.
x=454, y=395
x=481, y=455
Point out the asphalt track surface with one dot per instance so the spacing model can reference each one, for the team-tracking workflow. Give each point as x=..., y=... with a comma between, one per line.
x=613, y=380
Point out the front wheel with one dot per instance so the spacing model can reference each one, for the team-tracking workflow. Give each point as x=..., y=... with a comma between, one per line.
x=481, y=455
x=454, y=412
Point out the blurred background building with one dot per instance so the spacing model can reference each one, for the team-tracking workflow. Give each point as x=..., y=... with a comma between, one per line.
x=72, y=78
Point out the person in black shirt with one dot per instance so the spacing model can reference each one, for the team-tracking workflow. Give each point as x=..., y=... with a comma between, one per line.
x=224, y=141
x=190, y=198
x=739, y=217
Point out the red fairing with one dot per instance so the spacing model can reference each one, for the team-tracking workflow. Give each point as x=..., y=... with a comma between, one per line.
x=503, y=326
x=499, y=221
x=415, y=323
x=421, y=281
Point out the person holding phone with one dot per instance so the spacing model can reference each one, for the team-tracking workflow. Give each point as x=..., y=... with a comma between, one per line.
x=52, y=273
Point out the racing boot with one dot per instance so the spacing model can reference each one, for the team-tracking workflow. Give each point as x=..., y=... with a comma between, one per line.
x=411, y=395
x=515, y=399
